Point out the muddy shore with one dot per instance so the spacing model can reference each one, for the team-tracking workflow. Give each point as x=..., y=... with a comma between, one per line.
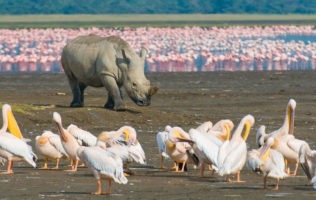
x=184, y=99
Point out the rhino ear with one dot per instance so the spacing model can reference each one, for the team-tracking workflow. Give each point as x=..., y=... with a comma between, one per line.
x=152, y=90
x=126, y=56
x=143, y=53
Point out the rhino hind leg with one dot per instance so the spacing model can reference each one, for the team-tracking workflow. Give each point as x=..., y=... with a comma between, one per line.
x=77, y=92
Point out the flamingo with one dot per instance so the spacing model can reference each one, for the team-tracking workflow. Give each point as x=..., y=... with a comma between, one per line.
x=267, y=161
x=103, y=164
x=49, y=146
x=68, y=141
x=232, y=154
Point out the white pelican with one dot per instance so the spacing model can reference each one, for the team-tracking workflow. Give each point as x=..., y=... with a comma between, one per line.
x=104, y=165
x=307, y=159
x=84, y=137
x=14, y=149
x=9, y=123
x=49, y=146
x=161, y=138
x=178, y=147
x=124, y=143
x=221, y=129
x=68, y=141
x=267, y=161
x=233, y=153
x=285, y=142
x=205, y=149
x=205, y=127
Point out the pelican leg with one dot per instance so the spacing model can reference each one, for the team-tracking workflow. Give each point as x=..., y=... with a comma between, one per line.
x=228, y=179
x=183, y=165
x=174, y=165
x=9, y=169
x=265, y=182
x=276, y=184
x=295, y=170
x=74, y=166
x=202, y=169
x=162, y=159
x=109, y=188
x=45, y=164
x=99, y=190
x=238, y=178
x=57, y=164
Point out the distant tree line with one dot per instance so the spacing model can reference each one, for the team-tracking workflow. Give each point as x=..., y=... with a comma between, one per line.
x=157, y=6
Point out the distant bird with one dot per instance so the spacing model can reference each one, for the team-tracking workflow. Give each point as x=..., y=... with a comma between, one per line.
x=268, y=162
x=307, y=159
x=68, y=141
x=232, y=154
x=49, y=146
x=104, y=165
x=83, y=137
x=178, y=148
x=161, y=139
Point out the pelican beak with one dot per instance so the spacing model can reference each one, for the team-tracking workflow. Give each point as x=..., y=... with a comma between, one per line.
x=246, y=130
x=127, y=134
x=62, y=132
x=13, y=125
x=291, y=113
x=180, y=138
x=264, y=153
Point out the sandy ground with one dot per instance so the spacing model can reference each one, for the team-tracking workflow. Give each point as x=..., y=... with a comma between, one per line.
x=184, y=99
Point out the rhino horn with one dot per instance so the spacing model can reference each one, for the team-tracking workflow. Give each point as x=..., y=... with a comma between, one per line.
x=152, y=90
x=143, y=53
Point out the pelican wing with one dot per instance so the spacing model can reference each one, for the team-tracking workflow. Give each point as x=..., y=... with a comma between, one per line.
x=277, y=165
x=137, y=153
x=17, y=147
x=105, y=162
x=56, y=142
x=161, y=139
x=87, y=138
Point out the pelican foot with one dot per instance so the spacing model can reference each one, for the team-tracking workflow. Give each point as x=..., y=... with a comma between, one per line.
x=7, y=172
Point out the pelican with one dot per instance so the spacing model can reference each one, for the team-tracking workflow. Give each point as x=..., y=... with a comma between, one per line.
x=9, y=123
x=14, y=149
x=307, y=159
x=221, y=129
x=83, y=137
x=13, y=145
x=124, y=143
x=178, y=147
x=205, y=127
x=103, y=164
x=267, y=161
x=68, y=141
x=232, y=154
x=205, y=148
x=49, y=146
x=285, y=142
x=161, y=139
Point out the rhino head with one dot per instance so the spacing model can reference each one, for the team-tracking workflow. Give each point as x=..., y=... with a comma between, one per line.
x=137, y=86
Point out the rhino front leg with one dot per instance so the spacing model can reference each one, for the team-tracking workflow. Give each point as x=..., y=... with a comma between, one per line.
x=115, y=100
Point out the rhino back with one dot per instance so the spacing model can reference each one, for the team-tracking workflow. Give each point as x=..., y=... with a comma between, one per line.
x=85, y=59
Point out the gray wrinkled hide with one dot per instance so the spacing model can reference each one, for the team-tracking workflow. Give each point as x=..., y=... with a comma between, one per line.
x=106, y=62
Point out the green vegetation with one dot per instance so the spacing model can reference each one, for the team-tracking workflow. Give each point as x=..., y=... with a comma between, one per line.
x=157, y=20
x=157, y=7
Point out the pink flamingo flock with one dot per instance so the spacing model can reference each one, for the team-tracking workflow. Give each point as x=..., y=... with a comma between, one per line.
x=234, y=48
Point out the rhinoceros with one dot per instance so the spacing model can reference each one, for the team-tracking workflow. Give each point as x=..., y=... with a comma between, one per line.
x=108, y=62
